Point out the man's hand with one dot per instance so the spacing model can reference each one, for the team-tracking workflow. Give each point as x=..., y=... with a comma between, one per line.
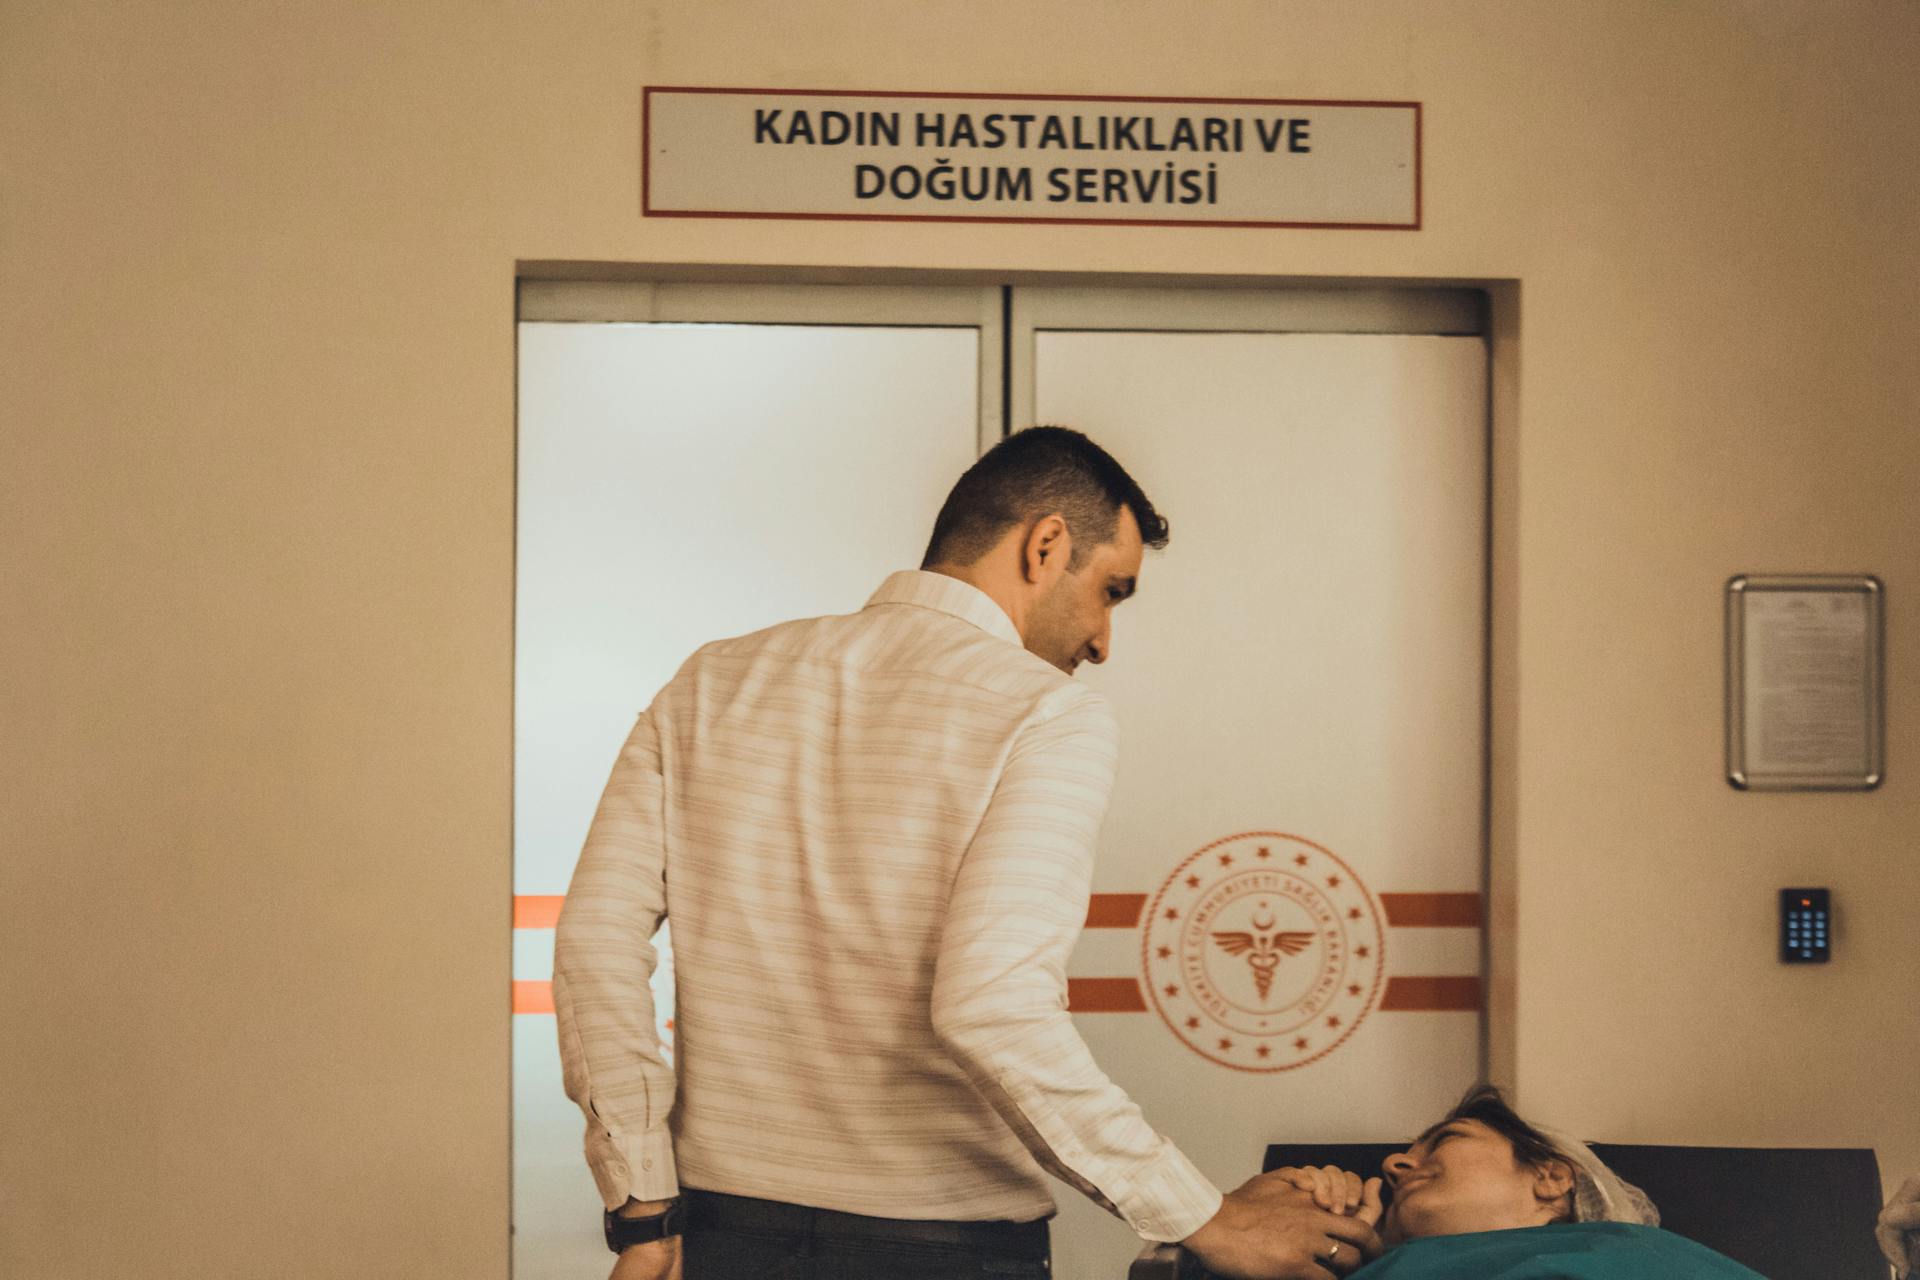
x=1898, y=1230
x=655, y=1260
x=1270, y=1229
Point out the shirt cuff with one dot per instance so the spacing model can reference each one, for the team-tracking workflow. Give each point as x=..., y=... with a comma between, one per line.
x=1170, y=1199
x=633, y=1167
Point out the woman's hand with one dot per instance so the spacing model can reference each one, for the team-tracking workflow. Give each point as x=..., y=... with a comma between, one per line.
x=1371, y=1210
x=1336, y=1190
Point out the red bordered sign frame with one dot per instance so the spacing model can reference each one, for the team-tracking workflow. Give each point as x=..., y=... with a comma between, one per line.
x=648, y=208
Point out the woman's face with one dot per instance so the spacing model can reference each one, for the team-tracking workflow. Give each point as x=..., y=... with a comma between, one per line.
x=1463, y=1177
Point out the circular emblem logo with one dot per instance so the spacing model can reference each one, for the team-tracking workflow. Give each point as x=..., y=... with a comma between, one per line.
x=1263, y=951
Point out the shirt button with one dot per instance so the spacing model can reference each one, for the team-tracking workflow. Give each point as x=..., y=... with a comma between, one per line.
x=646, y=1164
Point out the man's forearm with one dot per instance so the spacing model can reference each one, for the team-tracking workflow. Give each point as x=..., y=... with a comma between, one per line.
x=603, y=967
x=1017, y=906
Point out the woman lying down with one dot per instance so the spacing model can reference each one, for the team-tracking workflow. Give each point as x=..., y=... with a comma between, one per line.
x=1460, y=1192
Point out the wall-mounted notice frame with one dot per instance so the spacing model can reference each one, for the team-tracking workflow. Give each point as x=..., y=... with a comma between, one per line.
x=1804, y=688
x=711, y=152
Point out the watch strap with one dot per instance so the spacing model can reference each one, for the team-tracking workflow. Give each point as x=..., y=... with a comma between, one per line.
x=625, y=1232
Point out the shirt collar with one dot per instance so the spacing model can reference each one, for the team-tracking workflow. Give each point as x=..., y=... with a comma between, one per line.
x=948, y=595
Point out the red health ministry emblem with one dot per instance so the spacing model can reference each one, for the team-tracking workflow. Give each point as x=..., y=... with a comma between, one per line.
x=1263, y=951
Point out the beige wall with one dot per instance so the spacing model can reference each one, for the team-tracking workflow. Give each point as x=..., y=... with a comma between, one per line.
x=256, y=269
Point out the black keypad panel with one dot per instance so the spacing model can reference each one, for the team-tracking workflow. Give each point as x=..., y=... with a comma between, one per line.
x=1806, y=926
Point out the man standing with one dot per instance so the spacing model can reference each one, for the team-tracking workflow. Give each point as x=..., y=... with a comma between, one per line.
x=874, y=835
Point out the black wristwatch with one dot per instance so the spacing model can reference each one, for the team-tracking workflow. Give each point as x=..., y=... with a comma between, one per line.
x=622, y=1232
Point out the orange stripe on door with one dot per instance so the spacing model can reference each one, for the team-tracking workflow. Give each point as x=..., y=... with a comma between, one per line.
x=1122, y=910
x=1431, y=995
x=532, y=997
x=1115, y=910
x=1122, y=995
x=1105, y=995
x=1432, y=910
x=536, y=910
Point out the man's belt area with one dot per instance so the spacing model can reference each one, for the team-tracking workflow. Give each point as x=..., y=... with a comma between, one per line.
x=713, y=1210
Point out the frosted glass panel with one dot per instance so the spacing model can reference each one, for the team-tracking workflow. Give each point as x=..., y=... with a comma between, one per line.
x=1300, y=693
x=680, y=483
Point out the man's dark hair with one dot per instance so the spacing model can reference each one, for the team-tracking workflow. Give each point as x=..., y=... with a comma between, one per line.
x=1034, y=473
x=1485, y=1103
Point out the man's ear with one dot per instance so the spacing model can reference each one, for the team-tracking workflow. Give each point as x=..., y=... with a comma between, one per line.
x=1047, y=549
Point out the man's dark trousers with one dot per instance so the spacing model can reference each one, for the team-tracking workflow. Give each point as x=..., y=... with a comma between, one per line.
x=736, y=1238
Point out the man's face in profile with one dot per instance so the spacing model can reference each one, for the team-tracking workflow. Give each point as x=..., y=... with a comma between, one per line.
x=1073, y=622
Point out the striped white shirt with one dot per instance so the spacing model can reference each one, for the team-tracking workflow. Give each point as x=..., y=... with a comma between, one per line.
x=874, y=837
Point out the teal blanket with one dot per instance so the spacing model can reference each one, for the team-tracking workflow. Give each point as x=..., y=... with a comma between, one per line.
x=1567, y=1251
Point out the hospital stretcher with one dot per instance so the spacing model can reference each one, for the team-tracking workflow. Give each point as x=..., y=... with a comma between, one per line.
x=1790, y=1213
